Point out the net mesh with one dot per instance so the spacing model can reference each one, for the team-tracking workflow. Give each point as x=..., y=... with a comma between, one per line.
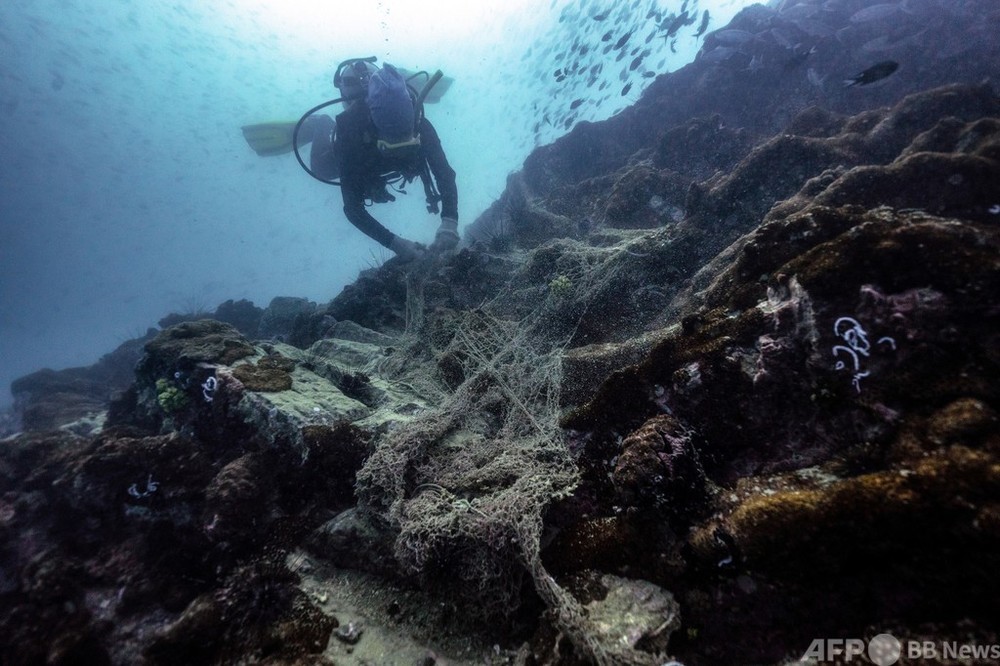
x=465, y=485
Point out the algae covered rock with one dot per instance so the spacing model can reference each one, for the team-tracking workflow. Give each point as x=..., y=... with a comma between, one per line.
x=270, y=374
x=184, y=346
x=659, y=465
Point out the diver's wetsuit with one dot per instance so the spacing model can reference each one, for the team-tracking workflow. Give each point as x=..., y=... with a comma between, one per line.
x=360, y=165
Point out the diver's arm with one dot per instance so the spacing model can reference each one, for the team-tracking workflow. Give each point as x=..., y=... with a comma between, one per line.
x=444, y=175
x=352, y=189
x=354, y=174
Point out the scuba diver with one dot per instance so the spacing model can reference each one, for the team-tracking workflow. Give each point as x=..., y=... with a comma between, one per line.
x=381, y=138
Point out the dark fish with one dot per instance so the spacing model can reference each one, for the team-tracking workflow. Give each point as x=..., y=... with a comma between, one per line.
x=628, y=86
x=623, y=40
x=635, y=63
x=648, y=75
x=876, y=72
x=879, y=12
x=679, y=22
x=703, y=26
x=799, y=56
x=558, y=72
x=606, y=36
x=601, y=16
x=576, y=104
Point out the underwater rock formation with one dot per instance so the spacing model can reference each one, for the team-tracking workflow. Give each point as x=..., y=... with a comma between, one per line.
x=712, y=380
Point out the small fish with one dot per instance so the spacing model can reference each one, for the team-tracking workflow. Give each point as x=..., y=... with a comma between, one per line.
x=601, y=16
x=628, y=86
x=876, y=72
x=679, y=22
x=703, y=26
x=576, y=104
x=623, y=40
x=799, y=56
x=606, y=37
x=635, y=63
x=880, y=12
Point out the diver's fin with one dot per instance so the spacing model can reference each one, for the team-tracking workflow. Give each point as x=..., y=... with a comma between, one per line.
x=440, y=88
x=269, y=139
x=436, y=92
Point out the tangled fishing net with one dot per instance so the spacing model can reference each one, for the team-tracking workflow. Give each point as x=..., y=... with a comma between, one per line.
x=465, y=486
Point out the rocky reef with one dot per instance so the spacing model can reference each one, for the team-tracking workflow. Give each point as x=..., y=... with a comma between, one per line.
x=722, y=388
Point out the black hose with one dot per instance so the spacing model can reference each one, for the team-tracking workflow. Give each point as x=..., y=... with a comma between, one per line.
x=295, y=140
x=431, y=81
x=430, y=84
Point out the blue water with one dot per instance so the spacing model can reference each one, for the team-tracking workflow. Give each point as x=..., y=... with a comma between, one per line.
x=127, y=191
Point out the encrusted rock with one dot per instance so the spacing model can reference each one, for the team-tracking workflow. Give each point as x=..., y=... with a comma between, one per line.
x=658, y=466
x=270, y=374
x=632, y=616
x=184, y=346
x=352, y=540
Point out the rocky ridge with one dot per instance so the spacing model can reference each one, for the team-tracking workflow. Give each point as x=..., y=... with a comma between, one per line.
x=721, y=406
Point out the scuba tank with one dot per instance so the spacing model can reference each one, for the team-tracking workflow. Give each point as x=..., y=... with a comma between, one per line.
x=358, y=69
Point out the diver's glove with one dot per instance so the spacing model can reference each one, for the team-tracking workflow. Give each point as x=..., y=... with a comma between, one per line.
x=446, y=238
x=406, y=250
